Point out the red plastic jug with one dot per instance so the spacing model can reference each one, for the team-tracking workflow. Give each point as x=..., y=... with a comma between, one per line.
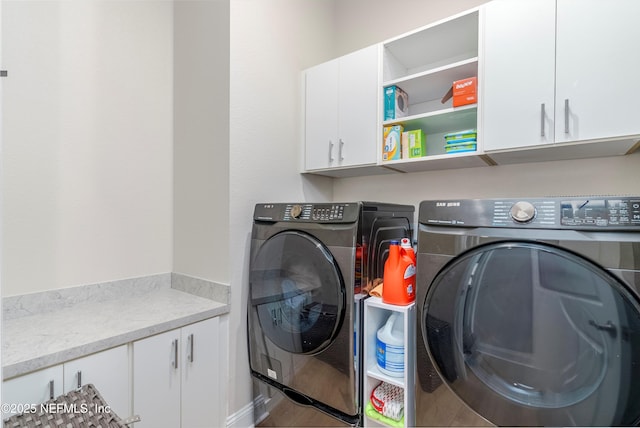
x=406, y=244
x=399, y=276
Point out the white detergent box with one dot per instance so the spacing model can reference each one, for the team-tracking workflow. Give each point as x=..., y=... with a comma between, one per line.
x=392, y=136
x=396, y=103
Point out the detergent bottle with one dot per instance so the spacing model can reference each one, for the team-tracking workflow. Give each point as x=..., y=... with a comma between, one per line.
x=390, y=346
x=406, y=244
x=399, y=276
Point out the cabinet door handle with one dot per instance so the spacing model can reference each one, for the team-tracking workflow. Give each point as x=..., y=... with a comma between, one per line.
x=542, y=120
x=566, y=116
x=190, y=347
x=330, y=151
x=174, y=361
x=51, y=397
x=79, y=376
x=340, y=150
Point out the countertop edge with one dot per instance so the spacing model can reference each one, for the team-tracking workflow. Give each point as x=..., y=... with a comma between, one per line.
x=27, y=366
x=48, y=360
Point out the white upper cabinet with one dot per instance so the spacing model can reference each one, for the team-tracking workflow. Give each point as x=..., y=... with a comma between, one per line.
x=519, y=73
x=341, y=99
x=358, y=107
x=560, y=71
x=597, y=65
x=321, y=114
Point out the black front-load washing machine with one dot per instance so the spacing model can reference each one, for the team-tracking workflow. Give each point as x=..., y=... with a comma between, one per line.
x=309, y=264
x=529, y=312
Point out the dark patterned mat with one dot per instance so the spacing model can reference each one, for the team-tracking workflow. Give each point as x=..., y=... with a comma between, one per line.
x=82, y=408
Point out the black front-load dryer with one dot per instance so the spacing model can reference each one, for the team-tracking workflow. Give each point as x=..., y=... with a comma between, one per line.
x=529, y=311
x=309, y=264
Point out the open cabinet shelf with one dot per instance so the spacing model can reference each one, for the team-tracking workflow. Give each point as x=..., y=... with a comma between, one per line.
x=424, y=64
x=376, y=313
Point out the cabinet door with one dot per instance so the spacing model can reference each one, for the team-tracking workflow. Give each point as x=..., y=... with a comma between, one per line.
x=358, y=107
x=108, y=371
x=321, y=116
x=598, y=58
x=156, y=380
x=201, y=382
x=519, y=74
x=33, y=388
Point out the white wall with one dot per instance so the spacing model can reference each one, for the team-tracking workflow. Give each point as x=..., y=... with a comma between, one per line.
x=271, y=42
x=201, y=139
x=604, y=176
x=87, y=142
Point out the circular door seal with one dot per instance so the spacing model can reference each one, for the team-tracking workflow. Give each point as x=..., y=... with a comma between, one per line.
x=297, y=292
x=528, y=333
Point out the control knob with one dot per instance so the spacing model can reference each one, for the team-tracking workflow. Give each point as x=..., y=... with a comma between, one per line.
x=523, y=212
x=296, y=210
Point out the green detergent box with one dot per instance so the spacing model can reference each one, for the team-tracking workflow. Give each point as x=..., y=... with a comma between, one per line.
x=415, y=143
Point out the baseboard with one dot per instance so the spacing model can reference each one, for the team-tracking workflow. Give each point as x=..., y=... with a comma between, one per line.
x=244, y=418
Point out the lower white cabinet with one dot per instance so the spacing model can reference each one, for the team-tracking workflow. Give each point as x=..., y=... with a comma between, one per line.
x=169, y=380
x=108, y=371
x=175, y=378
x=376, y=314
x=31, y=389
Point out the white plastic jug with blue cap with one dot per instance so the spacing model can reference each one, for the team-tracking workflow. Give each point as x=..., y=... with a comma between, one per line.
x=390, y=346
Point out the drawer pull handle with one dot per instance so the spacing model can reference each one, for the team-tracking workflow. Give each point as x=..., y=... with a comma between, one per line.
x=190, y=345
x=330, y=151
x=174, y=361
x=566, y=116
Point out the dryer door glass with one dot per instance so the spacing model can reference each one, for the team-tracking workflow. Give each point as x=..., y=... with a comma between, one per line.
x=531, y=334
x=297, y=291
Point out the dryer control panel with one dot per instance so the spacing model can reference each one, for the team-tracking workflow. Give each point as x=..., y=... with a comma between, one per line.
x=600, y=212
x=597, y=212
x=308, y=213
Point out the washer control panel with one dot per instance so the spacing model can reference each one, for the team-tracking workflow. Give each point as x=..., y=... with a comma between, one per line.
x=598, y=212
x=522, y=212
x=315, y=212
x=312, y=213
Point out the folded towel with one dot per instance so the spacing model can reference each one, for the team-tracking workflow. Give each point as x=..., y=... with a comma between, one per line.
x=377, y=290
x=373, y=414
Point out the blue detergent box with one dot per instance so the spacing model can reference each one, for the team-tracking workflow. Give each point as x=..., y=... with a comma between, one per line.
x=459, y=136
x=468, y=145
x=396, y=103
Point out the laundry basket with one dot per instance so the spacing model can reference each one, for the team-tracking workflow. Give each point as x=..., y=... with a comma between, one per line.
x=82, y=408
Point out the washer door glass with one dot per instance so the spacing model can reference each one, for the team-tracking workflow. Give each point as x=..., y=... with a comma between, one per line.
x=297, y=292
x=531, y=334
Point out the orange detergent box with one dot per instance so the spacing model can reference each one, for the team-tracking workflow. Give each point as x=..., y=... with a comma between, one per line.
x=465, y=92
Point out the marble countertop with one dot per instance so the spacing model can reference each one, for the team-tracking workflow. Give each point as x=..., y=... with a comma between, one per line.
x=40, y=340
